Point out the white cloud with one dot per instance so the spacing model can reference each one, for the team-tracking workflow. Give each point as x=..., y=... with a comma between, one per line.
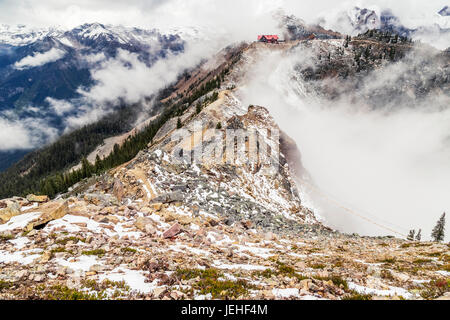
x=13, y=135
x=125, y=78
x=228, y=14
x=239, y=20
x=38, y=59
x=24, y=134
x=60, y=107
x=389, y=165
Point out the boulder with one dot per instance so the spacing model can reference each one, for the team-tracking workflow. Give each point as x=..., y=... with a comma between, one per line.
x=158, y=292
x=46, y=256
x=270, y=236
x=170, y=197
x=12, y=209
x=49, y=214
x=400, y=276
x=99, y=199
x=157, y=206
x=172, y=231
x=142, y=223
x=149, y=229
x=446, y=296
x=39, y=199
x=118, y=189
x=170, y=216
x=305, y=284
x=247, y=224
x=177, y=295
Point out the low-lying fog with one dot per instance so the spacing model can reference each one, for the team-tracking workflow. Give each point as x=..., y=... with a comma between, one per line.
x=391, y=167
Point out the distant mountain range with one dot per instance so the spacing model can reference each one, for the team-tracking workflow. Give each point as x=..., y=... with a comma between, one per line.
x=39, y=67
x=356, y=20
x=445, y=11
x=36, y=65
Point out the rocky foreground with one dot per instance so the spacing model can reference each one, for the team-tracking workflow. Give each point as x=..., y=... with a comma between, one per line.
x=99, y=250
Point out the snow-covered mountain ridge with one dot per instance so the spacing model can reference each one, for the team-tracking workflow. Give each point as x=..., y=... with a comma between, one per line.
x=20, y=35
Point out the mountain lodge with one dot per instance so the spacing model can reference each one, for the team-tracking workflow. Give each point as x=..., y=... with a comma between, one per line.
x=268, y=38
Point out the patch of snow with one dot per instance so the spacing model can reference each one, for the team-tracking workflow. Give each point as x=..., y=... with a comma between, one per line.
x=33, y=206
x=301, y=256
x=183, y=248
x=20, y=242
x=196, y=169
x=203, y=297
x=82, y=263
x=421, y=281
x=194, y=227
x=212, y=236
x=393, y=291
x=158, y=220
x=367, y=263
x=319, y=255
x=135, y=279
x=121, y=231
x=68, y=223
x=286, y=293
x=248, y=267
x=310, y=297
x=20, y=221
x=229, y=277
x=259, y=252
x=158, y=153
x=151, y=187
x=23, y=257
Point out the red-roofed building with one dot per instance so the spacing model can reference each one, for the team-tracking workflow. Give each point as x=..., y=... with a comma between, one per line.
x=268, y=38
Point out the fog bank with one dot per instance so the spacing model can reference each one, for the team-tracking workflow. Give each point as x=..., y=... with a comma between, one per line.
x=391, y=167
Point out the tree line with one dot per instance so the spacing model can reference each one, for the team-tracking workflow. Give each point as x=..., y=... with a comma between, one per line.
x=60, y=182
x=25, y=176
x=438, y=233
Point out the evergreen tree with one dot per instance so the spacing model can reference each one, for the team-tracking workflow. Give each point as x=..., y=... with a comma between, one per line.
x=392, y=54
x=419, y=235
x=438, y=231
x=411, y=235
x=86, y=168
x=219, y=126
x=98, y=164
x=48, y=188
x=347, y=40
x=367, y=52
x=179, y=124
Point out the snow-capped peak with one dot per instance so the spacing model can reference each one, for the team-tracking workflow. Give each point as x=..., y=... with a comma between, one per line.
x=19, y=35
x=92, y=31
x=363, y=18
x=445, y=11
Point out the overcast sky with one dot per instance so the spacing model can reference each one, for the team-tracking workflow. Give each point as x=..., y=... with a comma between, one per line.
x=166, y=13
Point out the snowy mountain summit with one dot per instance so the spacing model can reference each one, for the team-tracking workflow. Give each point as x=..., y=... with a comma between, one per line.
x=445, y=11
x=21, y=35
x=363, y=18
